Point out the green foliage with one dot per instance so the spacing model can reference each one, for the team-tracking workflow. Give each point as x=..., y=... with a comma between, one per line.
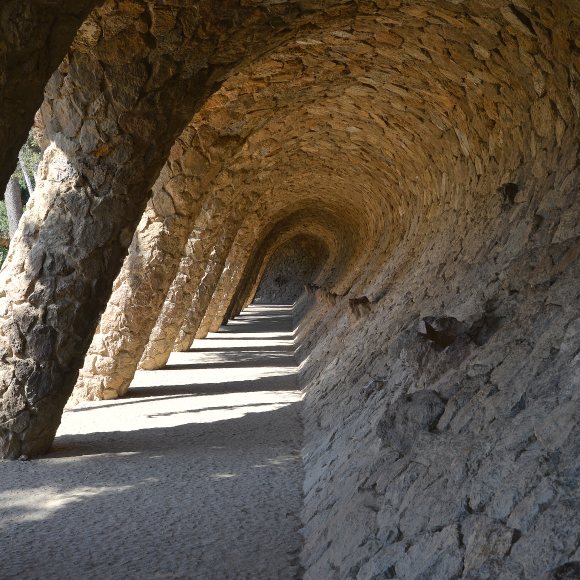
x=30, y=156
x=3, y=220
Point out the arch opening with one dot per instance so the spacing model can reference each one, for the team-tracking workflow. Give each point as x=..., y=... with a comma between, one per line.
x=291, y=267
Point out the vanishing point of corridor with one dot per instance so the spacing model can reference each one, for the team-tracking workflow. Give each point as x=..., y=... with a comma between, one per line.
x=196, y=474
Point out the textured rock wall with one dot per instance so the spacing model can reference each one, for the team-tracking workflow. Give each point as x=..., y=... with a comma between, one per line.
x=441, y=416
x=432, y=146
x=441, y=429
x=297, y=263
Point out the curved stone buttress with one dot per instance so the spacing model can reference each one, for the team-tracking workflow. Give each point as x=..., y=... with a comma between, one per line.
x=308, y=221
x=208, y=250
x=160, y=345
x=140, y=288
x=205, y=290
x=215, y=134
x=259, y=249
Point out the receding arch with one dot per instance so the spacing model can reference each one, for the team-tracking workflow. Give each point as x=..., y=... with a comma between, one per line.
x=291, y=266
x=434, y=144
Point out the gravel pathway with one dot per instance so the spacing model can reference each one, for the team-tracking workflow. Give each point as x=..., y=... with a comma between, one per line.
x=197, y=474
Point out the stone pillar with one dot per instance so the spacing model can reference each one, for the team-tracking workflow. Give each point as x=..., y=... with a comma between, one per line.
x=191, y=270
x=214, y=315
x=205, y=292
x=245, y=285
x=254, y=289
x=209, y=237
x=246, y=264
x=143, y=283
x=239, y=255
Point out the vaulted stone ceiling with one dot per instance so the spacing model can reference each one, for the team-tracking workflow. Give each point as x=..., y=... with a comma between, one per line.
x=430, y=146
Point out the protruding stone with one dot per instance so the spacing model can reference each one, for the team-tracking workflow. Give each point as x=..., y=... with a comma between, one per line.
x=442, y=331
x=409, y=416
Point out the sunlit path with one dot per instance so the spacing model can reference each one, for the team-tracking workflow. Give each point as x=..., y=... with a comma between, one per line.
x=196, y=474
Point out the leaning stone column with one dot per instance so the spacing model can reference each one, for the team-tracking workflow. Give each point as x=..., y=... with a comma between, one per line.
x=191, y=270
x=254, y=289
x=210, y=239
x=142, y=284
x=237, y=260
x=261, y=268
x=205, y=291
x=213, y=318
x=244, y=287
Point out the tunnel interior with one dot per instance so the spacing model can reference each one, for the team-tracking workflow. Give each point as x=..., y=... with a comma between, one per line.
x=405, y=172
x=291, y=267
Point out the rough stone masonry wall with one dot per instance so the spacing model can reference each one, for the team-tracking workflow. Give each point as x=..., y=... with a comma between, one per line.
x=441, y=421
x=441, y=429
x=441, y=138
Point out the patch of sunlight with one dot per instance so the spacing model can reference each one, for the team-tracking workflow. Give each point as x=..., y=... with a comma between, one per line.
x=275, y=338
x=181, y=375
x=212, y=415
x=281, y=460
x=167, y=412
x=223, y=475
x=248, y=340
x=303, y=363
x=43, y=502
x=233, y=375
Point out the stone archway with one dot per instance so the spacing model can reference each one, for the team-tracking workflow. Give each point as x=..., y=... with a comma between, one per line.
x=123, y=54
x=436, y=145
x=294, y=265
